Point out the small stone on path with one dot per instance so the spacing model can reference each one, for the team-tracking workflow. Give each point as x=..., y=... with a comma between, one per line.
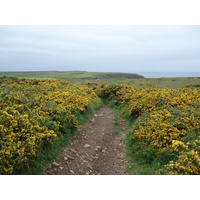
x=104, y=150
x=86, y=145
x=65, y=158
x=55, y=164
x=98, y=148
x=70, y=158
x=72, y=150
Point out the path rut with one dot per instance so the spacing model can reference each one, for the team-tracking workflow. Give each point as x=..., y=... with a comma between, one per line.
x=95, y=150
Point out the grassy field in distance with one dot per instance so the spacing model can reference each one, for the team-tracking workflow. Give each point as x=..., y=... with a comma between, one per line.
x=76, y=76
x=98, y=77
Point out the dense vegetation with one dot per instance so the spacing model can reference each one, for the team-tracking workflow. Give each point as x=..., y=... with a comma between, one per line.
x=34, y=114
x=164, y=127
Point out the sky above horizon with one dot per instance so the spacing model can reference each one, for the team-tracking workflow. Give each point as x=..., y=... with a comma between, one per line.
x=100, y=48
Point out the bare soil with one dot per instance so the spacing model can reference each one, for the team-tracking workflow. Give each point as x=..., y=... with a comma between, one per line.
x=95, y=150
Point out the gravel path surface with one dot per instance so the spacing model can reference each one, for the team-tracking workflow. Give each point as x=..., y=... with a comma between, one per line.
x=95, y=150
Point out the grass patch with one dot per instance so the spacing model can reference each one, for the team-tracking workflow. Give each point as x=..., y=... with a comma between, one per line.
x=138, y=164
x=72, y=76
x=144, y=160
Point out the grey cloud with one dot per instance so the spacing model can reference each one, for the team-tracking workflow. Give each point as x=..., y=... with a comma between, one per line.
x=99, y=48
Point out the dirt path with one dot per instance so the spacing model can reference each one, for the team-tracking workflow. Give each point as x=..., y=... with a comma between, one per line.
x=96, y=150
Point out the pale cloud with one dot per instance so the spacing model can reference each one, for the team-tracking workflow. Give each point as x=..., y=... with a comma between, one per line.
x=100, y=48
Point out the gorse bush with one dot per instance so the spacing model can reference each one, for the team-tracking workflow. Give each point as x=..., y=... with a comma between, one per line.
x=167, y=125
x=33, y=113
x=36, y=113
x=192, y=85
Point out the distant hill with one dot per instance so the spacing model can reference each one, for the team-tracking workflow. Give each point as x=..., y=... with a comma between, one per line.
x=90, y=78
x=75, y=76
x=119, y=75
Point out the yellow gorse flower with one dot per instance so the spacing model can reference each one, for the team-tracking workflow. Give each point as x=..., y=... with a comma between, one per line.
x=167, y=120
x=33, y=113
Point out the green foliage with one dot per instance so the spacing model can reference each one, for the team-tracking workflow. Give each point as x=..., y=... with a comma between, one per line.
x=165, y=126
x=35, y=114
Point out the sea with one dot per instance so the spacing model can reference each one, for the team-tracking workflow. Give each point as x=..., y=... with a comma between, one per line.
x=168, y=74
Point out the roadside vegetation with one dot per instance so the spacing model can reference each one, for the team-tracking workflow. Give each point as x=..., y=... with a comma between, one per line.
x=38, y=117
x=164, y=132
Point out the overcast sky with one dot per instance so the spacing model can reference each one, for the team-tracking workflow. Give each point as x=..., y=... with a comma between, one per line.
x=100, y=48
